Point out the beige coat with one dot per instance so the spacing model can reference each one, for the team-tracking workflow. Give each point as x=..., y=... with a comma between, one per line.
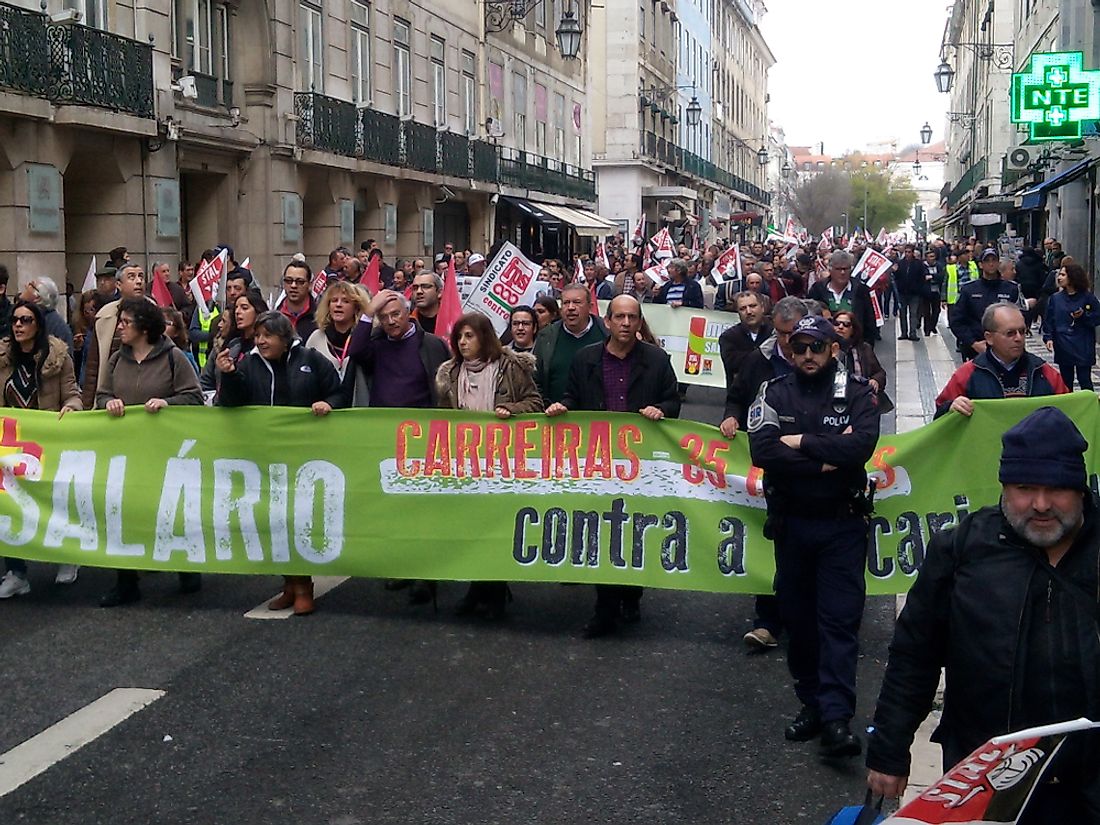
x=516, y=390
x=57, y=385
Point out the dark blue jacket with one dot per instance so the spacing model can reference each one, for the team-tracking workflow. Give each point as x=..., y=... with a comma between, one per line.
x=693, y=294
x=794, y=480
x=965, y=315
x=1074, y=338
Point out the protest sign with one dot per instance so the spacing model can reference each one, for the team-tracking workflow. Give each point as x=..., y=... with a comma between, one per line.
x=588, y=497
x=509, y=281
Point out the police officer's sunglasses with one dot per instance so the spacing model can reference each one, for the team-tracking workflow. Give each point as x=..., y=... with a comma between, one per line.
x=816, y=347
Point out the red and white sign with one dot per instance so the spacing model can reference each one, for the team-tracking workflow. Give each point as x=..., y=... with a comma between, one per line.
x=601, y=256
x=509, y=281
x=790, y=231
x=662, y=246
x=204, y=286
x=871, y=267
x=658, y=273
x=993, y=785
x=639, y=231
x=728, y=264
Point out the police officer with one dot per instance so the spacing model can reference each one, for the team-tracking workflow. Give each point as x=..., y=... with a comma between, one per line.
x=965, y=315
x=812, y=432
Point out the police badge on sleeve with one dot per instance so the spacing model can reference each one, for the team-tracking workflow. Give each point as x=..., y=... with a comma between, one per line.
x=761, y=413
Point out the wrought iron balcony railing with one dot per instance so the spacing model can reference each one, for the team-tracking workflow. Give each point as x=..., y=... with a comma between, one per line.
x=336, y=126
x=24, y=57
x=328, y=124
x=381, y=136
x=97, y=68
x=74, y=64
x=667, y=152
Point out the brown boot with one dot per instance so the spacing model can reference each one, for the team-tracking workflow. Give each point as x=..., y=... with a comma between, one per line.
x=303, y=595
x=284, y=599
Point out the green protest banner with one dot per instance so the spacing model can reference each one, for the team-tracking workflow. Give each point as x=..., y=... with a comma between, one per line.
x=442, y=494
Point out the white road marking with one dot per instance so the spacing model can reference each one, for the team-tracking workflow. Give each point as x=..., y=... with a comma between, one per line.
x=321, y=586
x=26, y=761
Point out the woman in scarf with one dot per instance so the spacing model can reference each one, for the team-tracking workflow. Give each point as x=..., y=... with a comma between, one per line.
x=36, y=373
x=484, y=376
x=859, y=357
x=338, y=311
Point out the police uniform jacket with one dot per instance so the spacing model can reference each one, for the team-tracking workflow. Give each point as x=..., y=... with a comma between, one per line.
x=984, y=608
x=965, y=315
x=796, y=404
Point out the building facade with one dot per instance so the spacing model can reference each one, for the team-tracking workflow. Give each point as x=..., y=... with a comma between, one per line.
x=649, y=62
x=293, y=125
x=1000, y=184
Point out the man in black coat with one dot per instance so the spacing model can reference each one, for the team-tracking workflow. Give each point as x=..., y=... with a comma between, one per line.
x=839, y=292
x=622, y=374
x=935, y=275
x=975, y=297
x=909, y=279
x=1006, y=604
x=741, y=339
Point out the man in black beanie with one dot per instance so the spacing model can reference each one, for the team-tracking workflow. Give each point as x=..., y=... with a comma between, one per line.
x=1007, y=604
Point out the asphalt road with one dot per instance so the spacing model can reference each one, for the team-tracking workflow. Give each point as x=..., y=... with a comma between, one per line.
x=373, y=711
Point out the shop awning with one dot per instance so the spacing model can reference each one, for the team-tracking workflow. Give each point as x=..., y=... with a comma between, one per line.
x=1033, y=198
x=532, y=210
x=583, y=222
x=995, y=205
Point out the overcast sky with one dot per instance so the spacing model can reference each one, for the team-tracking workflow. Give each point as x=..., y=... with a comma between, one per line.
x=854, y=72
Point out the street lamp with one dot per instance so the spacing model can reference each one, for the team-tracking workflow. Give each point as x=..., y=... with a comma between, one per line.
x=569, y=36
x=786, y=168
x=944, y=76
x=500, y=14
x=916, y=166
x=762, y=156
x=926, y=133
x=694, y=112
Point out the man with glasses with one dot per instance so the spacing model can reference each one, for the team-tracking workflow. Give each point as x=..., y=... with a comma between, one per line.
x=427, y=289
x=840, y=292
x=297, y=305
x=1003, y=369
x=106, y=341
x=965, y=315
x=812, y=433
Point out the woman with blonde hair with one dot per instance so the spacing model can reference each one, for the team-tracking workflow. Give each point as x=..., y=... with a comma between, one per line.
x=339, y=310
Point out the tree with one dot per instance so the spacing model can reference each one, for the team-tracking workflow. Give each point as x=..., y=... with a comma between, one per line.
x=885, y=201
x=819, y=201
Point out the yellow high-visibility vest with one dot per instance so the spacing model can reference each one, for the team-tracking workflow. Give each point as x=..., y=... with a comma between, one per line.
x=205, y=326
x=953, y=280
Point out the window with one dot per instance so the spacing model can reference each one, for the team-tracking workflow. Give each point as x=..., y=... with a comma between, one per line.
x=540, y=15
x=540, y=138
x=559, y=127
x=92, y=12
x=311, y=40
x=641, y=22
x=519, y=106
x=223, y=41
x=402, y=67
x=469, y=93
x=541, y=112
x=197, y=35
x=439, y=81
x=361, y=89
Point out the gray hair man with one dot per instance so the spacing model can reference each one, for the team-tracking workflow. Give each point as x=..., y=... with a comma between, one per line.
x=43, y=291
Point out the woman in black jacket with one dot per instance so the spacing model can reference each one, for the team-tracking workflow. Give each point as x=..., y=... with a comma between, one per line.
x=859, y=357
x=281, y=372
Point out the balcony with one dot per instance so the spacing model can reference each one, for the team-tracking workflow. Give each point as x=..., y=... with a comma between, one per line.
x=24, y=61
x=213, y=92
x=74, y=64
x=330, y=125
x=327, y=124
x=527, y=171
x=688, y=163
x=97, y=68
x=381, y=137
x=971, y=178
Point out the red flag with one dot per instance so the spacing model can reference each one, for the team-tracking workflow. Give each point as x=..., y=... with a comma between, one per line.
x=450, y=305
x=593, y=303
x=161, y=293
x=320, y=281
x=371, y=278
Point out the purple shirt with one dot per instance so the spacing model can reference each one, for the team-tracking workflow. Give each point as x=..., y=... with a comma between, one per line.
x=616, y=380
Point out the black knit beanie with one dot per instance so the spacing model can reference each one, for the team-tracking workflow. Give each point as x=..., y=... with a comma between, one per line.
x=1047, y=449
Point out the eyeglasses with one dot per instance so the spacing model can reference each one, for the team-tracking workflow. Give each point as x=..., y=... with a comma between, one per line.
x=295, y=281
x=843, y=324
x=816, y=347
x=125, y=322
x=22, y=319
x=518, y=323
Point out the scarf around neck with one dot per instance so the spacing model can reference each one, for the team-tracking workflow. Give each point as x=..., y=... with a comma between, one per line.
x=477, y=385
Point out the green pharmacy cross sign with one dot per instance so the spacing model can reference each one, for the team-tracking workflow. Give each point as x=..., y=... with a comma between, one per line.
x=1055, y=95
